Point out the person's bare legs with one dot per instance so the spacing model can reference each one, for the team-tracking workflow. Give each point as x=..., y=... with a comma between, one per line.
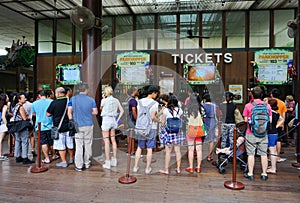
x=191, y=154
x=62, y=154
x=149, y=157
x=178, y=157
x=45, y=150
x=137, y=157
x=2, y=135
x=199, y=154
x=251, y=164
x=278, y=148
x=167, y=158
x=264, y=164
x=106, y=144
x=273, y=157
x=114, y=143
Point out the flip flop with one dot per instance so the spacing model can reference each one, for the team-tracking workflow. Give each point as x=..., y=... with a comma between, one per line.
x=46, y=162
x=164, y=172
x=55, y=157
x=209, y=158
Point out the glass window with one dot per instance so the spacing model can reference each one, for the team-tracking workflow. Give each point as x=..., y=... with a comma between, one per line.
x=78, y=39
x=107, y=34
x=235, y=29
x=259, y=28
x=124, y=33
x=167, y=32
x=281, y=17
x=64, y=35
x=45, y=36
x=212, y=28
x=189, y=31
x=145, y=32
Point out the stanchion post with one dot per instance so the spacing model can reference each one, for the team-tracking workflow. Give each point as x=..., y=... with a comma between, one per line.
x=39, y=168
x=127, y=179
x=233, y=184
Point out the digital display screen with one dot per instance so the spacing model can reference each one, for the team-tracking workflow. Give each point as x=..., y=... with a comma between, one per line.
x=68, y=74
x=200, y=73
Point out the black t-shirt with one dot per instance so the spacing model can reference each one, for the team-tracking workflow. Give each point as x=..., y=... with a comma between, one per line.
x=227, y=110
x=272, y=126
x=57, y=109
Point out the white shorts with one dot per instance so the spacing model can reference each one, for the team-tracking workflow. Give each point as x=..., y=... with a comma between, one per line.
x=109, y=123
x=64, y=141
x=3, y=128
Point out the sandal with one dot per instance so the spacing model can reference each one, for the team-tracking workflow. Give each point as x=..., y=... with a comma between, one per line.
x=271, y=172
x=45, y=161
x=166, y=172
x=178, y=171
x=209, y=158
x=55, y=157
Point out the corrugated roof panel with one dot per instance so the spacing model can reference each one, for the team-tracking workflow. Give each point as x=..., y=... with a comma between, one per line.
x=117, y=11
x=16, y=6
x=37, y=5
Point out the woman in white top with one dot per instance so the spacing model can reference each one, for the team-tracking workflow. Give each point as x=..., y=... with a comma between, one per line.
x=171, y=139
x=109, y=111
x=3, y=121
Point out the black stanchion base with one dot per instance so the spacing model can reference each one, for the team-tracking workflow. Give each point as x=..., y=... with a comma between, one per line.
x=9, y=155
x=127, y=179
x=296, y=164
x=38, y=170
x=234, y=185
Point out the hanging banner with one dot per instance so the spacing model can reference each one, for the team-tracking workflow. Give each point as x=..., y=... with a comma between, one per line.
x=134, y=68
x=272, y=66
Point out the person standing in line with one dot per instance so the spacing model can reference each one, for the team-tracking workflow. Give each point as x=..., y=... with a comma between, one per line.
x=172, y=139
x=28, y=106
x=39, y=109
x=194, y=119
x=21, y=138
x=109, y=110
x=150, y=143
x=210, y=122
x=275, y=93
x=3, y=122
x=81, y=108
x=133, y=93
x=65, y=142
x=253, y=142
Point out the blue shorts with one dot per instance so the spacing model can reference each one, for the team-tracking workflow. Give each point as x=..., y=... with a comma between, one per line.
x=46, y=137
x=272, y=140
x=148, y=143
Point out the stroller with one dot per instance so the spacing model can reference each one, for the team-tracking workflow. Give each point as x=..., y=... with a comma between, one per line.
x=220, y=164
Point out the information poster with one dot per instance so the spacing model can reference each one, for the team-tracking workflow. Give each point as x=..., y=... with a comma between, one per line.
x=134, y=68
x=237, y=91
x=166, y=85
x=272, y=66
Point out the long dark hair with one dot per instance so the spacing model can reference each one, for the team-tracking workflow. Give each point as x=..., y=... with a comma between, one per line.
x=172, y=102
x=2, y=101
x=193, y=106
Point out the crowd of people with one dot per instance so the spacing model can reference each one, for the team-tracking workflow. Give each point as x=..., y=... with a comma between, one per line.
x=171, y=122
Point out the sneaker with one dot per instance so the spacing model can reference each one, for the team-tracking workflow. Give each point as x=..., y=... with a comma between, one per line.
x=71, y=161
x=250, y=177
x=78, y=169
x=135, y=169
x=264, y=177
x=87, y=166
x=3, y=158
x=148, y=170
x=106, y=164
x=19, y=159
x=61, y=164
x=281, y=160
x=113, y=162
x=27, y=161
x=132, y=156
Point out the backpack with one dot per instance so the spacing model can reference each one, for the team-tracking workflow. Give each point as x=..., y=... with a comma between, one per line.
x=259, y=120
x=144, y=122
x=129, y=122
x=174, y=124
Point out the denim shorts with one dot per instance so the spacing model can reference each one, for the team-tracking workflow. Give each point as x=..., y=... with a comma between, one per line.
x=148, y=143
x=272, y=140
x=64, y=141
x=109, y=123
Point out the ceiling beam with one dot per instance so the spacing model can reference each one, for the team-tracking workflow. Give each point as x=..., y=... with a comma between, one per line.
x=55, y=8
x=128, y=7
x=14, y=10
x=33, y=10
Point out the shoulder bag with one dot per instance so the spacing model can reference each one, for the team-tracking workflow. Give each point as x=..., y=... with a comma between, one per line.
x=18, y=126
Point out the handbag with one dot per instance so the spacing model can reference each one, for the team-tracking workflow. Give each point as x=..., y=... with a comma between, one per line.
x=238, y=116
x=54, y=129
x=18, y=126
x=196, y=131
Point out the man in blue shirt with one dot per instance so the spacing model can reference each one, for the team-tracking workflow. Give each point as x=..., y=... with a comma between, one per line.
x=81, y=108
x=39, y=109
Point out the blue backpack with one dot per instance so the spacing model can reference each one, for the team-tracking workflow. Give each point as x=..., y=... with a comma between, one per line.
x=174, y=124
x=259, y=120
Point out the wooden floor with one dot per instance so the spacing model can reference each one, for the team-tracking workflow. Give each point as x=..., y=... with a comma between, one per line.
x=18, y=184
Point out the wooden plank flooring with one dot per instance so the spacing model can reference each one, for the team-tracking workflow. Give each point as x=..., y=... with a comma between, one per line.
x=18, y=184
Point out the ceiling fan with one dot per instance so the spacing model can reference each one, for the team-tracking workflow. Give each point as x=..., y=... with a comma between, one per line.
x=191, y=36
x=53, y=37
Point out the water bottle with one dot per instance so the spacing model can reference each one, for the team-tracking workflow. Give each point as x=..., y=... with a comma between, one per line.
x=249, y=121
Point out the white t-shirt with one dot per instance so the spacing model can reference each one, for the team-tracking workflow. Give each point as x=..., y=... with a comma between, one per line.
x=145, y=102
x=177, y=112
